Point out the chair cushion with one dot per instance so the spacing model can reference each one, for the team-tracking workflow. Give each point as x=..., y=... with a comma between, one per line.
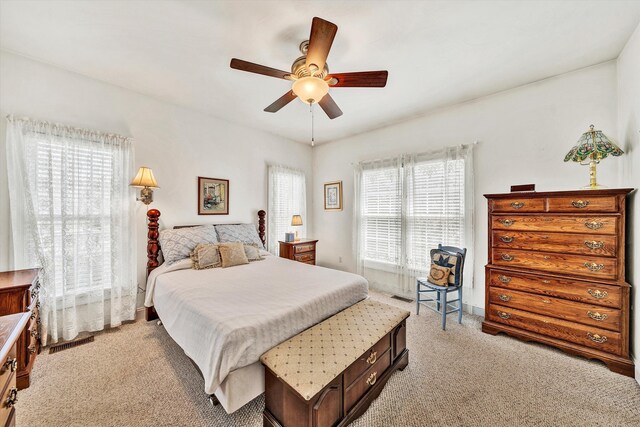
x=439, y=275
x=452, y=261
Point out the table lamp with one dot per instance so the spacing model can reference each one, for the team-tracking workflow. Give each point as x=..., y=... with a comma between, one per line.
x=296, y=221
x=594, y=146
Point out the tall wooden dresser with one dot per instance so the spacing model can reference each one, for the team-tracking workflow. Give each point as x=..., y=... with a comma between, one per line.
x=556, y=272
x=11, y=329
x=19, y=292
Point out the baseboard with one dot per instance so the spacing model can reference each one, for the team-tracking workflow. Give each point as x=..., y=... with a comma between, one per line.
x=476, y=311
x=637, y=365
x=139, y=313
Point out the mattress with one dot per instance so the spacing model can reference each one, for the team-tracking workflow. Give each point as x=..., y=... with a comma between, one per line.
x=226, y=318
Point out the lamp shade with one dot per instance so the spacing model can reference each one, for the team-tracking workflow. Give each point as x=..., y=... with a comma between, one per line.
x=144, y=178
x=593, y=145
x=310, y=89
x=296, y=220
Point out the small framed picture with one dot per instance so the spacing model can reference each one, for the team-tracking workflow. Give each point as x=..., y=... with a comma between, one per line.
x=333, y=196
x=213, y=196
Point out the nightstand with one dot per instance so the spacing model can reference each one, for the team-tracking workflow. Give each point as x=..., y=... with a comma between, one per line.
x=303, y=250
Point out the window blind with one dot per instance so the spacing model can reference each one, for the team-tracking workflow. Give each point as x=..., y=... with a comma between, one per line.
x=287, y=197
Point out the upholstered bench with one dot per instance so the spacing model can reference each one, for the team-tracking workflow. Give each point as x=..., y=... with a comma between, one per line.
x=329, y=374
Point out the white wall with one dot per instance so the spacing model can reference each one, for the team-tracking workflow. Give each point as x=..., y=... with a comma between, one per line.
x=629, y=139
x=523, y=135
x=177, y=143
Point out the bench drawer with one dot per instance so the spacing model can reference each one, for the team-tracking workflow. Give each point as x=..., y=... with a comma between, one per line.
x=589, y=244
x=583, y=204
x=588, y=336
x=562, y=223
x=601, y=317
x=367, y=379
x=571, y=289
x=581, y=265
x=366, y=360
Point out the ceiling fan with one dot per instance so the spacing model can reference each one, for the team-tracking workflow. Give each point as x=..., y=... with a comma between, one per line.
x=310, y=73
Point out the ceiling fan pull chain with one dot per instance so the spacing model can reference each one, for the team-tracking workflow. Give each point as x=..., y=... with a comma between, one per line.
x=312, y=130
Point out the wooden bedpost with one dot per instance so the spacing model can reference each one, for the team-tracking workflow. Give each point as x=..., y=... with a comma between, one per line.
x=152, y=240
x=261, y=226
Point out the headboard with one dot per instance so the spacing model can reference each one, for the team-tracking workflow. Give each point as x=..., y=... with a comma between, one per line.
x=153, y=247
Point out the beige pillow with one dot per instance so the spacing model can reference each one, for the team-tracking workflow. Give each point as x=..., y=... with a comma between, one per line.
x=232, y=254
x=206, y=255
x=439, y=275
x=252, y=252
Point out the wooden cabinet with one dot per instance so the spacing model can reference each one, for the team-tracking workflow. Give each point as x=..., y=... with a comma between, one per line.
x=556, y=272
x=301, y=250
x=19, y=293
x=12, y=328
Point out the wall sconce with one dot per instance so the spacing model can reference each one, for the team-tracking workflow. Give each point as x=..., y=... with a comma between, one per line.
x=145, y=180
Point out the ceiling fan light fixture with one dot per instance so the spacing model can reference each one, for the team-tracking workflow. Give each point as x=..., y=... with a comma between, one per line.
x=310, y=90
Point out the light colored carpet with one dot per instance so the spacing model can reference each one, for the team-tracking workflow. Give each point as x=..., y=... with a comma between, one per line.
x=137, y=376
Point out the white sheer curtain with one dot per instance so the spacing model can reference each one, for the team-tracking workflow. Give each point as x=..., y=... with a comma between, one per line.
x=72, y=215
x=406, y=206
x=287, y=197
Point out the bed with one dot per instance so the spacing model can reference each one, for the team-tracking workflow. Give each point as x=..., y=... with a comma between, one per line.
x=225, y=318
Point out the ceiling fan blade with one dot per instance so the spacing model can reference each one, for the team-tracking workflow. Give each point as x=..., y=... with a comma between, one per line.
x=250, y=67
x=320, y=41
x=330, y=107
x=359, y=79
x=281, y=102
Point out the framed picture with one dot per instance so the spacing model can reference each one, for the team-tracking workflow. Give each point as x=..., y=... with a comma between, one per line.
x=333, y=196
x=213, y=196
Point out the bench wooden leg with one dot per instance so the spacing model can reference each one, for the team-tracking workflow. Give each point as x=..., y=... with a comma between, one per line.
x=213, y=400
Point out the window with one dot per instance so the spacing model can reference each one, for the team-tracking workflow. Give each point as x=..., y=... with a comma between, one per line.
x=405, y=207
x=287, y=197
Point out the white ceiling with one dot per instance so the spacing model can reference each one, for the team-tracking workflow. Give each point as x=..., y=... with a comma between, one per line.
x=437, y=52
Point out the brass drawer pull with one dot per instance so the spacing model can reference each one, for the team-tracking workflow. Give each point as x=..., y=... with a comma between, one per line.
x=593, y=225
x=580, y=203
x=597, y=294
x=503, y=315
x=506, y=222
x=372, y=378
x=517, y=205
x=504, y=297
x=592, y=266
x=504, y=279
x=506, y=239
x=32, y=349
x=33, y=316
x=13, y=397
x=600, y=339
x=594, y=244
x=546, y=282
x=546, y=301
x=506, y=257
x=372, y=358
x=11, y=364
x=597, y=316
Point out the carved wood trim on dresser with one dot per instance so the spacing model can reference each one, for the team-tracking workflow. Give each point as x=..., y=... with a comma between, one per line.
x=556, y=272
x=19, y=293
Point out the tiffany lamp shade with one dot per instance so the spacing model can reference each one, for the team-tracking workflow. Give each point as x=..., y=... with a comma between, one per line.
x=592, y=147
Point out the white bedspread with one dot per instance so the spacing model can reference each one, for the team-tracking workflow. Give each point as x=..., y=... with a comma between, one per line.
x=225, y=318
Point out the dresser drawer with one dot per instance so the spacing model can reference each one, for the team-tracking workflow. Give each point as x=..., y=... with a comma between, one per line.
x=9, y=397
x=518, y=205
x=360, y=386
x=581, y=265
x=305, y=257
x=9, y=367
x=589, y=336
x=601, y=317
x=366, y=360
x=307, y=247
x=583, y=204
x=571, y=289
x=589, y=244
x=563, y=223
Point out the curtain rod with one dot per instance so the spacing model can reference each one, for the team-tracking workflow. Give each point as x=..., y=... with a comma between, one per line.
x=473, y=144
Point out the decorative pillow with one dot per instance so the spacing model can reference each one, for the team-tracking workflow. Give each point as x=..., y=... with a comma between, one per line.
x=178, y=243
x=439, y=275
x=232, y=254
x=447, y=259
x=252, y=252
x=206, y=255
x=245, y=233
